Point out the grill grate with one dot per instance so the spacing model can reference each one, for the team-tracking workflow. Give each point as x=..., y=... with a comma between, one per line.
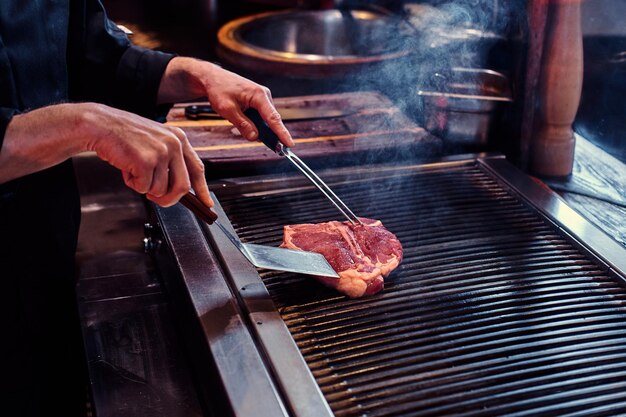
x=493, y=311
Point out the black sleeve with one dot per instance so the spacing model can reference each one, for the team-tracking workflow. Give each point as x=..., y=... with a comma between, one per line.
x=103, y=66
x=138, y=77
x=6, y=114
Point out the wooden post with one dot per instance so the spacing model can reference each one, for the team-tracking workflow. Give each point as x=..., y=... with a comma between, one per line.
x=560, y=85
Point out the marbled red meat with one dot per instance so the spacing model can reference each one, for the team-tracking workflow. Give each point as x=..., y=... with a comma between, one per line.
x=362, y=255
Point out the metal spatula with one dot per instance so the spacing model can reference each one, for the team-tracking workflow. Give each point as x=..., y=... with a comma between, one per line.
x=268, y=257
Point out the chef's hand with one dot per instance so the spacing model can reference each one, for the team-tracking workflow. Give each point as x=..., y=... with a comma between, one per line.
x=229, y=94
x=155, y=159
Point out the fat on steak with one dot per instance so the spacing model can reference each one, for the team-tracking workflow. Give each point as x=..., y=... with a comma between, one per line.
x=362, y=255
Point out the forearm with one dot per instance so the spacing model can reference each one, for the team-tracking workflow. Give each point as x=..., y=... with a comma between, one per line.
x=154, y=159
x=42, y=138
x=184, y=79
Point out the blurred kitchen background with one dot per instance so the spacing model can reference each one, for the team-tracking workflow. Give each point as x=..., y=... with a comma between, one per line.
x=412, y=52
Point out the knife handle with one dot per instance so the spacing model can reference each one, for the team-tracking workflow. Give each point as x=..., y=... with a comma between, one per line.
x=200, y=209
x=201, y=111
x=266, y=135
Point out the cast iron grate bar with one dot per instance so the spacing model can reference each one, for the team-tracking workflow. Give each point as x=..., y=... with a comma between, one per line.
x=492, y=311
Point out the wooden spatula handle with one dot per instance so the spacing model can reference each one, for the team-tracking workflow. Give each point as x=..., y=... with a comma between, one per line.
x=200, y=209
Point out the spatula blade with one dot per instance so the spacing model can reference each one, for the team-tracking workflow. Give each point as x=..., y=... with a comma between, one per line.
x=289, y=260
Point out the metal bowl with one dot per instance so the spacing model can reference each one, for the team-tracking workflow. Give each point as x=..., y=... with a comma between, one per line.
x=316, y=43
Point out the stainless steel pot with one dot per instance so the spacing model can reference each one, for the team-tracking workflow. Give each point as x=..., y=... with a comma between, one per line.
x=316, y=51
x=314, y=43
x=459, y=105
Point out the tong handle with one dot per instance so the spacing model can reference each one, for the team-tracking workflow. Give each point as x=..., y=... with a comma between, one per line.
x=200, y=209
x=266, y=135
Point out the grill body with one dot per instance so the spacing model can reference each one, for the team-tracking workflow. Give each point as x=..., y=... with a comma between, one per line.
x=507, y=302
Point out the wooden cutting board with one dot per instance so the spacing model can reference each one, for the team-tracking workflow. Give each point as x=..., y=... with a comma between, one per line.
x=372, y=129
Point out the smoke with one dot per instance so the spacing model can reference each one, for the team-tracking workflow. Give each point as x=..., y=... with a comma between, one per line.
x=436, y=38
x=399, y=53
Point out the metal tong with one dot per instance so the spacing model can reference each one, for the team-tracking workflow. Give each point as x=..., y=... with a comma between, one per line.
x=269, y=138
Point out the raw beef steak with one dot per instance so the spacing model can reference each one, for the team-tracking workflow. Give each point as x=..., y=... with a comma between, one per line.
x=361, y=255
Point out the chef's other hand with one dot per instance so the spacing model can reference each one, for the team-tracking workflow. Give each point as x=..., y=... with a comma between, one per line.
x=229, y=94
x=155, y=159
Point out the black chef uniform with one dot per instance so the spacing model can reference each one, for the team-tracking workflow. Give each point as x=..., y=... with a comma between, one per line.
x=53, y=51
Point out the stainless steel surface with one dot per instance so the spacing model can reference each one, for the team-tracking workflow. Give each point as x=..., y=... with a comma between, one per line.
x=296, y=52
x=248, y=385
x=321, y=35
x=223, y=336
x=137, y=363
x=460, y=104
x=499, y=307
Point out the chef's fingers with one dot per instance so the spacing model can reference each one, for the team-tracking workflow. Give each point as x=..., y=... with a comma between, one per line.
x=139, y=178
x=195, y=167
x=263, y=103
x=127, y=179
x=160, y=181
x=232, y=111
x=178, y=183
x=198, y=181
x=178, y=178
